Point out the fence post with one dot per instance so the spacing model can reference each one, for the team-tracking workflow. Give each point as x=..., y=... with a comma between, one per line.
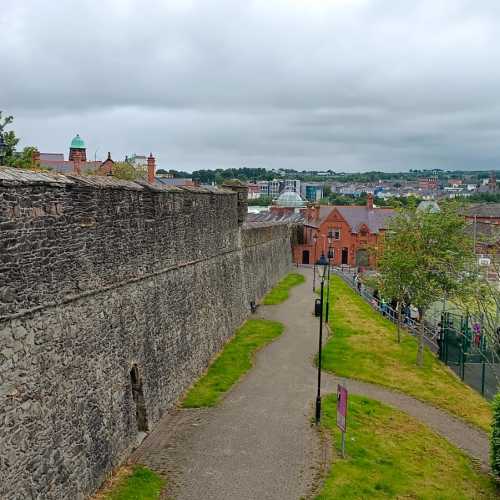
x=462, y=361
x=483, y=374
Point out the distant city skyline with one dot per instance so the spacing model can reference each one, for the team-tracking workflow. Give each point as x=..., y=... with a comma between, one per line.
x=350, y=86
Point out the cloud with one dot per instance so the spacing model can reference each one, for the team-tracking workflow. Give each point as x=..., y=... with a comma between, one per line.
x=341, y=84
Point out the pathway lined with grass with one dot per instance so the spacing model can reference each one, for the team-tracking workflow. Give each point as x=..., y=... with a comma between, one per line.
x=281, y=291
x=391, y=455
x=234, y=361
x=258, y=442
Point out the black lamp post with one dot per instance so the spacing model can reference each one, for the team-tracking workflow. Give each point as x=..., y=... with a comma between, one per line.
x=323, y=263
x=330, y=257
x=315, y=238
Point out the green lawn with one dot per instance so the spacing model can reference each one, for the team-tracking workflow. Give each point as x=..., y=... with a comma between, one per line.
x=235, y=360
x=281, y=291
x=391, y=455
x=363, y=346
x=138, y=484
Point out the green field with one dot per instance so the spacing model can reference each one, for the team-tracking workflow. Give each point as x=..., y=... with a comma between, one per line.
x=363, y=346
x=234, y=361
x=391, y=455
x=281, y=291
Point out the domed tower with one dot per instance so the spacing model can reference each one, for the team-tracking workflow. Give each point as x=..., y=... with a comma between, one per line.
x=77, y=144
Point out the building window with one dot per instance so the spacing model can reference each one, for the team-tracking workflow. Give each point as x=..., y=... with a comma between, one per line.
x=334, y=234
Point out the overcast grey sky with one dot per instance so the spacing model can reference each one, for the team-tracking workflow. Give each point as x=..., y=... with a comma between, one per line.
x=309, y=84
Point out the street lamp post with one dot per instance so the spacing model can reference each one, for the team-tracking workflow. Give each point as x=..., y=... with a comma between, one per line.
x=330, y=256
x=323, y=263
x=315, y=238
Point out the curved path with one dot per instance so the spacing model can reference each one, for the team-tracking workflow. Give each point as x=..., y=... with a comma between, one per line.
x=259, y=443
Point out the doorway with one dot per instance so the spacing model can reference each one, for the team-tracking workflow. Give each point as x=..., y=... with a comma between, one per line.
x=138, y=395
x=345, y=256
x=305, y=257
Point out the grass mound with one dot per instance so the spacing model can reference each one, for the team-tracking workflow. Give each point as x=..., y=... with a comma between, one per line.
x=391, y=455
x=281, y=291
x=364, y=346
x=235, y=360
x=138, y=483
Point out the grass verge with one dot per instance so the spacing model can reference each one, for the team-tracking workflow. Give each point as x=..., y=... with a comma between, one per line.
x=391, y=455
x=364, y=346
x=133, y=483
x=281, y=291
x=235, y=360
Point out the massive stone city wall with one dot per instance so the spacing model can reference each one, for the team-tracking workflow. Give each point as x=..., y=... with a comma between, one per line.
x=114, y=297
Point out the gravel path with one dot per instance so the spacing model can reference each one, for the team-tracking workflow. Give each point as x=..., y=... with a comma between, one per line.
x=259, y=443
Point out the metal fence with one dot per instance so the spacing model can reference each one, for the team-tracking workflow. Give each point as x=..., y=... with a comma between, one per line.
x=456, y=340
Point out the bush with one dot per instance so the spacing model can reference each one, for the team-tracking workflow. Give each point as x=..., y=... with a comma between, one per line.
x=495, y=437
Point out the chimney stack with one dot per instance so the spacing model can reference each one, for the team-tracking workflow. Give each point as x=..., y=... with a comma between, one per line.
x=77, y=163
x=369, y=201
x=151, y=168
x=35, y=158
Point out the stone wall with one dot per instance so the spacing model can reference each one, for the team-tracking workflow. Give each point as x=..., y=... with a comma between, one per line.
x=99, y=278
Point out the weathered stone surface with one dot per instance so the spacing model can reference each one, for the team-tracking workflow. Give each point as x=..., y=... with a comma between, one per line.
x=160, y=279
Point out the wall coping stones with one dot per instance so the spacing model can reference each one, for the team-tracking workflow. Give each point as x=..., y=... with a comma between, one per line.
x=16, y=176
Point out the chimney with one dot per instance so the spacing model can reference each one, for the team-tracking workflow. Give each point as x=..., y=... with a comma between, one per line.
x=77, y=163
x=35, y=158
x=151, y=168
x=369, y=201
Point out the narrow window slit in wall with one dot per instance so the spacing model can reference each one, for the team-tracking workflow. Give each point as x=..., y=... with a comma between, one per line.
x=138, y=395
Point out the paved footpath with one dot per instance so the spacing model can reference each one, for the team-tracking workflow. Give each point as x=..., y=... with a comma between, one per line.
x=259, y=442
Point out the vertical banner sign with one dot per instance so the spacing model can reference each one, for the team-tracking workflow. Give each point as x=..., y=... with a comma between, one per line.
x=342, y=413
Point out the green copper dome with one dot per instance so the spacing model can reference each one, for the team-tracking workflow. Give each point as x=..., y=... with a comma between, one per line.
x=77, y=142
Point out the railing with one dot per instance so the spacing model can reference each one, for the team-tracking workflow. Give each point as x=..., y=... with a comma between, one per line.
x=408, y=323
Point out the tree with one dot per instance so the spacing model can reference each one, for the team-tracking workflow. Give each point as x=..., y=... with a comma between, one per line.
x=9, y=137
x=426, y=256
x=125, y=171
x=25, y=159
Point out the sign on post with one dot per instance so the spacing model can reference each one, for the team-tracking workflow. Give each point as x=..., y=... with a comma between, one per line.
x=342, y=413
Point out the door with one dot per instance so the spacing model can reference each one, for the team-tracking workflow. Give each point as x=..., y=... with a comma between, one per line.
x=305, y=257
x=345, y=256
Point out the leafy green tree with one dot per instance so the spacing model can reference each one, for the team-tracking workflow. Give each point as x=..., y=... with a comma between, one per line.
x=125, y=171
x=9, y=138
x=426, y=256
x=24, y=159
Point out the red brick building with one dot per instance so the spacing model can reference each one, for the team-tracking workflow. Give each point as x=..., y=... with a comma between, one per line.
x=347, y=231
x=430, y=184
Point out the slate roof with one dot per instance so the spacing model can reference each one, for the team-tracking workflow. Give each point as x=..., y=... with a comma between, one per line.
x=51, y=157
x=484, y=210
x=376, y=219
x=67, y=167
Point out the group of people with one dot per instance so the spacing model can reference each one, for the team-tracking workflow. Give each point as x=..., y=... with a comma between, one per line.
x=409, y=313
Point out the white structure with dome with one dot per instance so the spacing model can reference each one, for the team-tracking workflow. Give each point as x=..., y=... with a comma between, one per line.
x=290, y=199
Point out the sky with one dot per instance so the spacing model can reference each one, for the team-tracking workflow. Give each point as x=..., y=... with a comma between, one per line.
x=347, y=85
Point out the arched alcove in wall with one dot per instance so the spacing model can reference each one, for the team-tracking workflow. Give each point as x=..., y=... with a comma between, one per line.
x=138, y=395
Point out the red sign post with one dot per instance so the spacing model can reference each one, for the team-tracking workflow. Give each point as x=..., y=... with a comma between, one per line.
x=342, y=413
